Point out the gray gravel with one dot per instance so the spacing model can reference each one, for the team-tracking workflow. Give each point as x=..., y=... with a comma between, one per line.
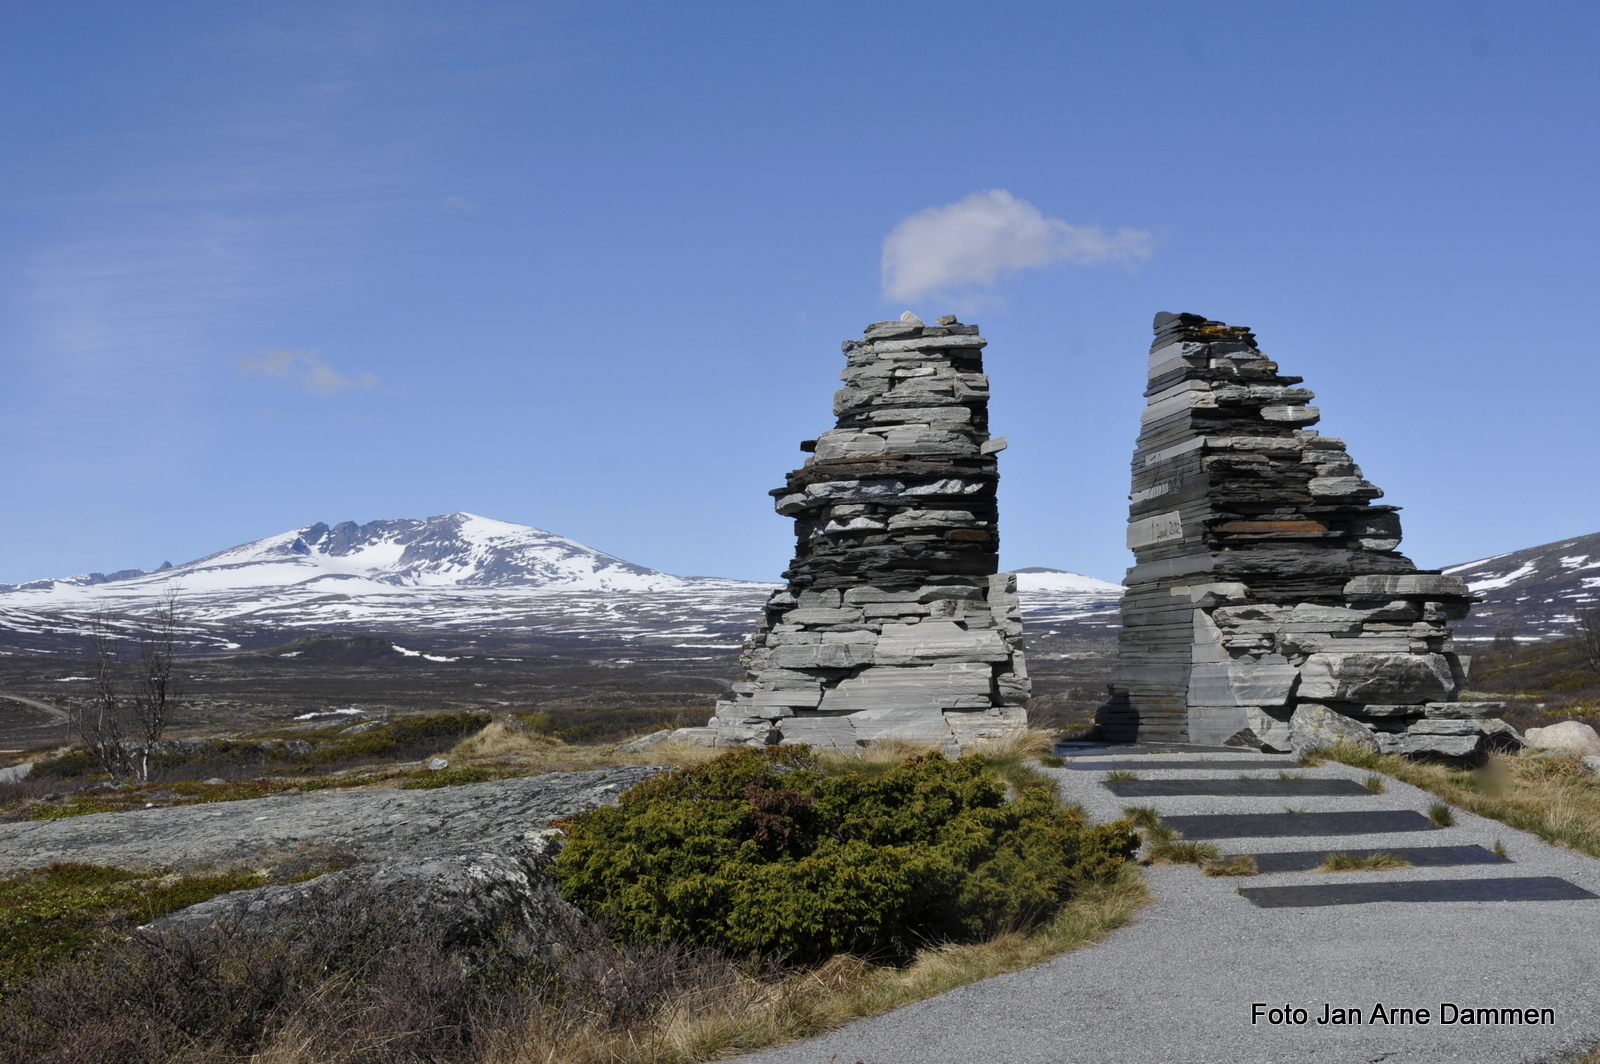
x=373, y=827
x=1178, y=985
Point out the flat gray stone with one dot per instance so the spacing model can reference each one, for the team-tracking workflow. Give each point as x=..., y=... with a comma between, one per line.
x=1507, y=888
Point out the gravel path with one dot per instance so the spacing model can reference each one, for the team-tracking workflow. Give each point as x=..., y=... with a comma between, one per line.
x=1181, y=983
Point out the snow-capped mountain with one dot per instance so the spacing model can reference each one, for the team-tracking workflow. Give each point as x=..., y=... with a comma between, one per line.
x=459, y=572
x=458, y=550
x=1537, y=591
x=1054, y=599
x=456, y=576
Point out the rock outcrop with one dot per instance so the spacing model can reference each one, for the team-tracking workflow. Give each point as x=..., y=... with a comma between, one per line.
x=470, y=862
x=503, y=893
x=894, y=622
x=1267, y=591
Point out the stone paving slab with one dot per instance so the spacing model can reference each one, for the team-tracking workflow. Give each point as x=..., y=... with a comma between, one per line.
x=1215, y=765
x=1180, y=985
x=1297, y=825
x=1237, y=788
x=1505, y=888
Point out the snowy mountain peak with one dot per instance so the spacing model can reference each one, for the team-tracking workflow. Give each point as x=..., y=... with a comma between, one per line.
x=455, y=552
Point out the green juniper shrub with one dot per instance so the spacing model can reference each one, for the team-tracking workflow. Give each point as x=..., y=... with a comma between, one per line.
x=758, y=853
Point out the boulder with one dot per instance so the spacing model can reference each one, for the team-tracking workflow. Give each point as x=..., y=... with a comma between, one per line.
x=1382, y=678
x=1314, y=726
x=1568, y=735
x=470, y=897
x=1591, y=764
x=645, y=742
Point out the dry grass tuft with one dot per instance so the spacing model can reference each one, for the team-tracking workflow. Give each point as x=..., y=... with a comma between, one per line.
x=1375, y=784
x=1442, y=814
x=1031, y=744
x=1377, y=862
x=1195, y=853
x=1242, y=865
x=1119, y=774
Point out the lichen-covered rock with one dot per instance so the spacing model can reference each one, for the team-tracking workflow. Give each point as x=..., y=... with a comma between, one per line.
x=468, y=898
x=1315, y=726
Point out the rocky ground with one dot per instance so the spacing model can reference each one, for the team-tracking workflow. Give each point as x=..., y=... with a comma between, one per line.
x=366, y=827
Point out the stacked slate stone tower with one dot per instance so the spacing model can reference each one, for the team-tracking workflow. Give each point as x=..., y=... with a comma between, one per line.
x=894, y=623
x=1269, y=606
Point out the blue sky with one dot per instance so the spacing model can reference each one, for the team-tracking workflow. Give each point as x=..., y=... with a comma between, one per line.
x=586, y=266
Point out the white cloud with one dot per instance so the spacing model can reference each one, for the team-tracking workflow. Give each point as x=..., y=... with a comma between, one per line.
x=305, y=370
x=975, y=240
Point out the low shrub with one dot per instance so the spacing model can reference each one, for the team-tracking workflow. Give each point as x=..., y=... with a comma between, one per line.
x=404, y=736
x=759, y=853
x=448, y=777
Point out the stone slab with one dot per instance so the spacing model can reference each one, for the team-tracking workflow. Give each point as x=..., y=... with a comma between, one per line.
x=1509, y=888
x=1240, y=765
x=1238, y=788
x=1290, y=825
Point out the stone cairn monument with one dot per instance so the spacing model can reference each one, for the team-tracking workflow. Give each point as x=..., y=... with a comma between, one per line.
x=894, y=623
x=1268, y=606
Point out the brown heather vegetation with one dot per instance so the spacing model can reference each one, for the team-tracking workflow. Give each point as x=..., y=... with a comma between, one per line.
x=365, y=988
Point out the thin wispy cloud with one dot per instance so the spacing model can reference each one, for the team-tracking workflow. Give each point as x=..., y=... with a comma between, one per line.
x=306, y=371
x=459, y=205
x=976, y=240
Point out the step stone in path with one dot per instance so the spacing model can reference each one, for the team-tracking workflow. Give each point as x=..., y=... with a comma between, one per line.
x=1320, y=824
x=1239, y=788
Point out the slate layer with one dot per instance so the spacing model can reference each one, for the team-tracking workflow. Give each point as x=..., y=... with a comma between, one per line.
x=1268, y=595
x=894, y=623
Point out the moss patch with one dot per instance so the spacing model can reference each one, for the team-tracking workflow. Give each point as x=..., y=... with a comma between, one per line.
x=52, y=913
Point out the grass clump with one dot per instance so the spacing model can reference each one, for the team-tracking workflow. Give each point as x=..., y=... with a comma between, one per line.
x=1240, y=865
x=1442, y=815
x=1375, y=783
x=1195, y=853
x=1052, y=760
x=1119, y=774
x=1372, y=862
x=759, y=853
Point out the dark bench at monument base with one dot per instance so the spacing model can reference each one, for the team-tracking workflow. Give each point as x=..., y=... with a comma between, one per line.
x=1278, y=825
x=1417, y=856
x=1238, y=788
x=1529, y=888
